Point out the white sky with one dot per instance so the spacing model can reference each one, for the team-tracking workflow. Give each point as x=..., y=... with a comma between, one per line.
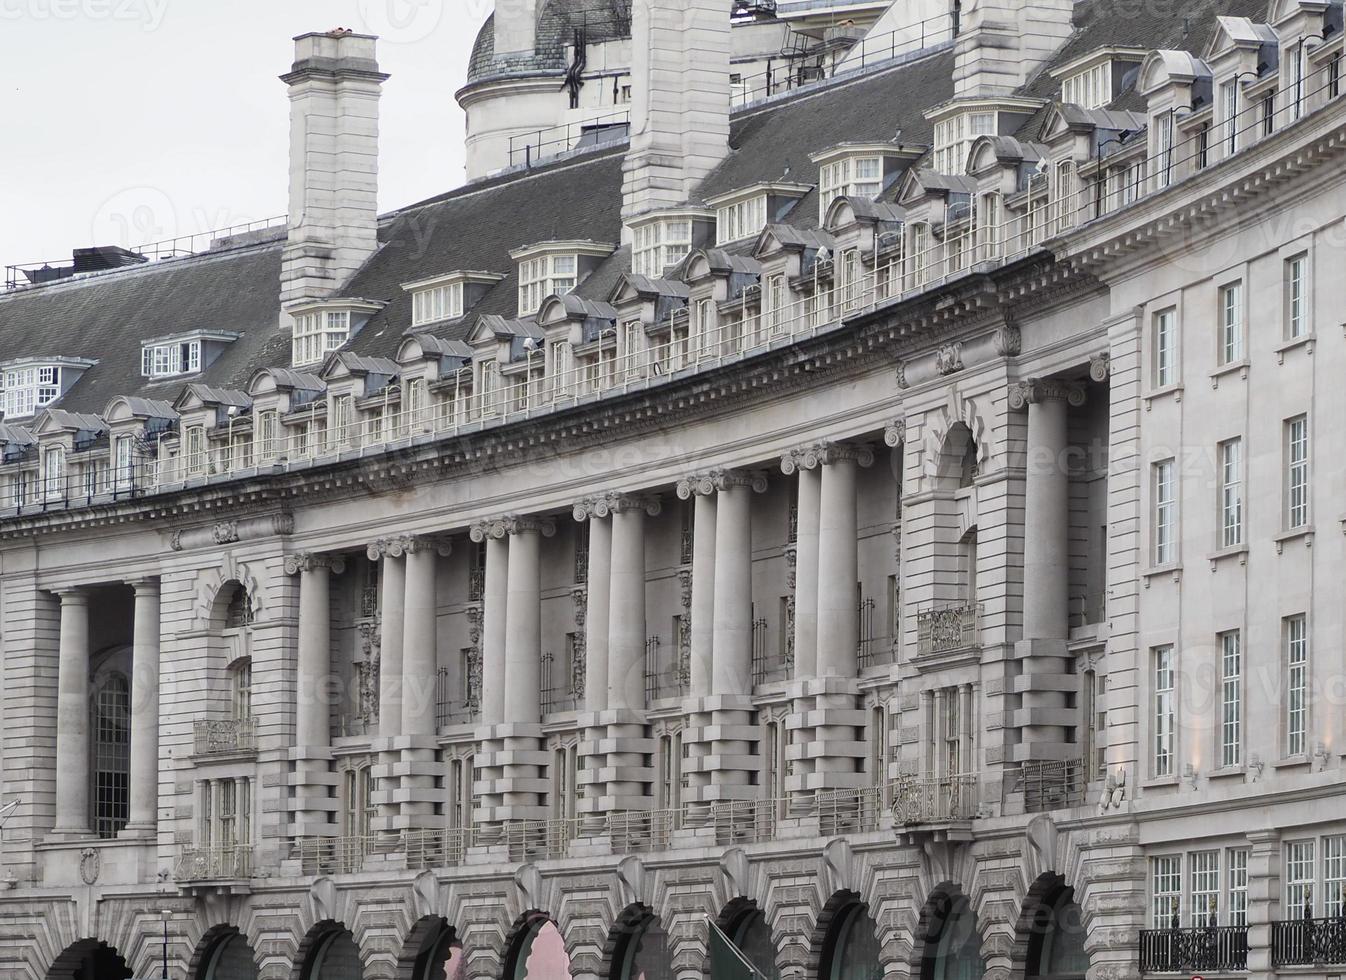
x=130, y=121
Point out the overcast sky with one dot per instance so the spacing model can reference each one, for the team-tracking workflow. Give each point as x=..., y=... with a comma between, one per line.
x=130, y=121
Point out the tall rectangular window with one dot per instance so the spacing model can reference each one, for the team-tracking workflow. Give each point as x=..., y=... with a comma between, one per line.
x=1165, y=513
x=1204, y=878
x=1165, y=890
x=1163, y=710
x=1229, y=99
x=1165, y=348
x=1231, y=323
x=1297, y=473
x=1231, y=493
x=1296, y=296
x=1299, y=874
x=1296, y=685
x=1238, y=886
x=1231, y=699
x=1334, y=876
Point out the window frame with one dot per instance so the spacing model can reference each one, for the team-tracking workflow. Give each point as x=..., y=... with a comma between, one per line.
x=1230, y=721
x=1165, y=345
x=1231, y=493
x=1297, y=512
x=1163, y=714
x=1295, y=709
x=1296, y=302
x=1164, y=516
x=1231, y=340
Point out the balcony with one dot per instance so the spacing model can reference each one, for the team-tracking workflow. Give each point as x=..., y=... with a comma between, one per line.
x=1051, y=785
x=209, y=865
x=934, y=800
x=947, y=629
x=1197, y=949
x=1309, y=942
x=226, y=737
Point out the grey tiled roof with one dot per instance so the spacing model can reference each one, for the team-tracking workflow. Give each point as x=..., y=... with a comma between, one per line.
x=601, y=20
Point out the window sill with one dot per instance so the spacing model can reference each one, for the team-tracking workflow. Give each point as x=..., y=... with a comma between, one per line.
x=1172, y=568
x=1159, y=782
x=1291, y=762
x=1240, y=366
x=1173, y=391
x=1305, y=532
x=1308, y=342
x=1239, y=551
x=1229, y=772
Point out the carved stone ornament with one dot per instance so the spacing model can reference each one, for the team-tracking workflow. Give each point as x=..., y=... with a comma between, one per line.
x=704, y=484
x=895, y=433
x=901, y=376
x=501, y=527
x=949, y=359
x=1008, y=341
x=90, y=865
x=836, y=452
x=229, y=532
x=1100, y=366
x=226, y=532
x=308, y=561
x=1037, y=391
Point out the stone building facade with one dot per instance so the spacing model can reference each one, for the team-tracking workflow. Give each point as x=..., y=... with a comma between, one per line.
x=876, y=554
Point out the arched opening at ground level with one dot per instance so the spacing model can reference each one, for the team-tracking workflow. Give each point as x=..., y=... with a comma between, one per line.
x=846, y=940
x=537, y=950
x=328, y=952
x=1051, y=932
x=741, y=947
x=638, y=947
x=432, y=951
x=224, y=954
x=89, y=959
x=950, y=941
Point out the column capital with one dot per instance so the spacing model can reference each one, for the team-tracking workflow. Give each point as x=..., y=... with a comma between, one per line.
x=73, y=595
x=309, y=561
x=840, y=452
x=1100, y=366
x=414, y=544
x=895, y=433
x=145, y=584
x=502, y=527
x=608, y=504
x=705, y=484
x=1038, y=391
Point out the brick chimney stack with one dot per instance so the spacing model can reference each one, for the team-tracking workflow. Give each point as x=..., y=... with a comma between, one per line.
x=334, y=89
x=680, y=100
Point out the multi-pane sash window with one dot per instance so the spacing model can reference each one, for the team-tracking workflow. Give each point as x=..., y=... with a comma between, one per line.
x=1091, y=89
x=1238, y=886
x=1165, y=348
x=1299, y=878
x=1163, y=710
x=1334, y=876
x=1296, y=684
x=122, y=461
x=267, y=425
x=660, y=244
x=1296, y=296
x=1166, y=890
x=1231, y=493
x=437, y=303
x=1204, y=887
x=241, y=682
x=1163, y=129
x=741, y=220
x=1165, y=512
x=777, y=302
x=1297, y=473
x=165, y=360
x=194, y=450
x=1231, y=323
x=1231, y=699
x=546, y=275
x=53, y=471
x=317, y=334
x=28, y=389
x=1229, y=102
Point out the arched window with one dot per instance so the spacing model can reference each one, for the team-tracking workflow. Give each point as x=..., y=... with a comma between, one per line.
x=231, y=958
x=952, y=942
x=439, y=955
x=111, y=755
x=753, y=956
x=335, y=957
x=642, y=952
x=539, y=952
x=1056, y=945
x=852, y=948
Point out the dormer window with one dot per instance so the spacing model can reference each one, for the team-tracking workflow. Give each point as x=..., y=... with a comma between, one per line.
x=859, y=170
x=30, y=388
x=742, y=219
x=554, y=269
x=1093, y=80
x=317, y=334
x=745, y=212
x=954, y=138
x=166, y=360
x=660, y=244
x=437, y=303
x=1089, y=89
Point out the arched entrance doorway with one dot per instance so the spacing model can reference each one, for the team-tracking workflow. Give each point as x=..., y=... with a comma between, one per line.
x=850, y=948
x=952, y=945
x=639, y=947
x=329, y=953
x=226, y=955
x=432, y=952
x=538, y=951
x=743, y=927
x=89, y=959
x=1056, y=934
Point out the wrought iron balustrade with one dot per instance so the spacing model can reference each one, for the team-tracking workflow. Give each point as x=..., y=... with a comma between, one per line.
x=1195, y=949
x=1309, y=941
x=436, y=848
x=231, y=862
x=946, y=629
x=342, y=855
x=934, y=799
x=1051, y=785
x=224, y=736
x=528, y=840
x=558, y=686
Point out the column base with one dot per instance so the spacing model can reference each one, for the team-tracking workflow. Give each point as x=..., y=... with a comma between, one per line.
x=138, y=831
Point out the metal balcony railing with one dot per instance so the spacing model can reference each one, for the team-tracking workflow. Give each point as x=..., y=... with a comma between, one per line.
x=222, y=737
x=436, y=848
x=343, y=855
x=1309, y=941
x=1051, y=785
x=946, y=629
x=935, y=799
x=1197, y=949
x=228, y=863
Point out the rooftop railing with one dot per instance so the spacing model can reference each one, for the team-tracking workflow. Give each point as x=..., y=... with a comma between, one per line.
x=563, y=377
x=527, y=149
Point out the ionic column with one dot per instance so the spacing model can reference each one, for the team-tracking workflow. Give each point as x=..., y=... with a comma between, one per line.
x=312, y=776
x=701, y=490
x=144, y=775
x=1042, y=718
x=420, y=656
x=72, y=718
x=596, y=602
x=838, y=563
x=806, y=560
x=495, y=593
x=392, y=588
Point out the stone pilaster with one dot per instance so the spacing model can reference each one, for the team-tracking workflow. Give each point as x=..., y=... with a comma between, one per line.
x=311, y=776
x=1043, y=663
x=72, y=718
x=417, y=768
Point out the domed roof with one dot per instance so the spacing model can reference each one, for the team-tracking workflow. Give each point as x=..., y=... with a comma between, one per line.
x=557, y=22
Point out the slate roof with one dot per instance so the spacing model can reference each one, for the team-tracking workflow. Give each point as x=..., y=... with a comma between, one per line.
x=106, y=317
x=601, y=20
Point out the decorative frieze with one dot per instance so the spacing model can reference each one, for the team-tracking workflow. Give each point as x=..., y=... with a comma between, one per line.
x=280, y=524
